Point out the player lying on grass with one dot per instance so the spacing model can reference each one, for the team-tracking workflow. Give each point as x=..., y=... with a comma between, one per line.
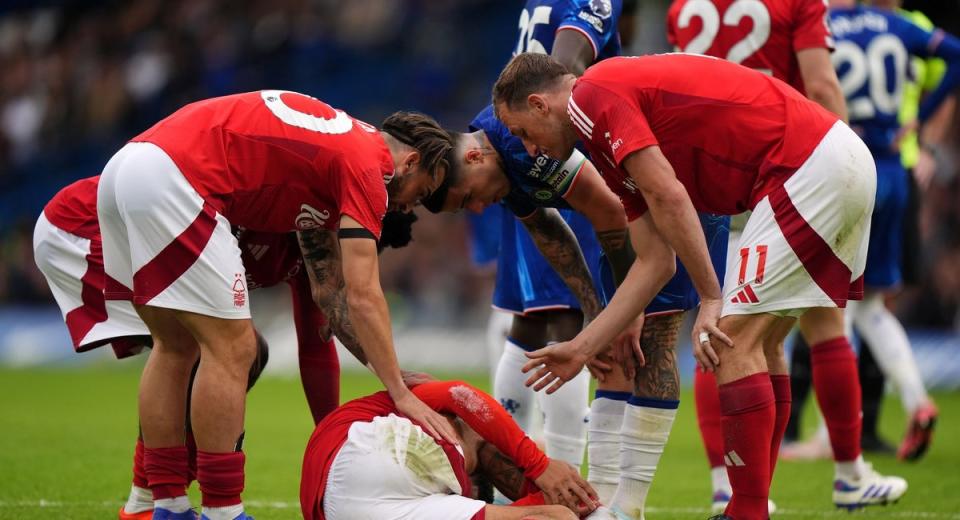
x=68, y=252
x=490, y=164
x=367, y=460
x=652, y=125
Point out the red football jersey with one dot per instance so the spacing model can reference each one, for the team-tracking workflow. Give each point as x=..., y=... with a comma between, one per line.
x=731, y=134
x=760, y=34
x=74, y=208
x=279, y=161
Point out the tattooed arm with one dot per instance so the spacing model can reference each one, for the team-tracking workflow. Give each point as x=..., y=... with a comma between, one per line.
x=560, y=248
x=591, y=196
x=658, y=377
x=321, y=256
x=500, y=471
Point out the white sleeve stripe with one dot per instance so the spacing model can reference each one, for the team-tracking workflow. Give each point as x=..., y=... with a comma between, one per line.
x=593, y=45
x=573, y=105
x=580, y=126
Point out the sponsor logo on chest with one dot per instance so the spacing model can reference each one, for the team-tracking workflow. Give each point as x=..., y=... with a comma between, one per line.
x=311, y=218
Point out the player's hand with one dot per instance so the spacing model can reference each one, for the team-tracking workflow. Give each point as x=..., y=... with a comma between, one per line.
x=412, y=378
x=562, y=484
x=435, y=424
x=599, y=368
x=627, y=346
x=556, y=364
x=706, y=332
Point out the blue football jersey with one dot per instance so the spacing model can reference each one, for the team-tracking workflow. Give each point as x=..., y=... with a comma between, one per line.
x=540, y=21
x=872, y=58
x=534, y=181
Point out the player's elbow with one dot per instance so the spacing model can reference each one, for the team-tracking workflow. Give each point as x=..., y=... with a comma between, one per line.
x=666, y=267
x=607, y=215
x=826, y=92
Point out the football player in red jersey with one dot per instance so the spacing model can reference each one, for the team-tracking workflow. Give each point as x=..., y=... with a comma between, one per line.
x=667, y=141
x=792, y=42
x=268, y=161
x=365, y=460
x=68, y=252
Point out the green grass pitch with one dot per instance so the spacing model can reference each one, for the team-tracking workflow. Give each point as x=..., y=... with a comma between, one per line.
x=66, y=440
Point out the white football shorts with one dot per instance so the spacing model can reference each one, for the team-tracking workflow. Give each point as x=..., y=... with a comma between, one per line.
x=805, y=244
x=163, y=244
x=390, y=468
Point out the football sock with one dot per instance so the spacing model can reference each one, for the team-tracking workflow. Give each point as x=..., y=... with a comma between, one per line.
x=179, y=504
x=565, y=415
x=140, y=500
x=603, y=450
x=644, y=433
x=320, y=376
x=498, y=327
x=707, y=399
x=139, y=469
x=884, y=334
x=748, y=417
x=851, y=470
x=719, y=479
x=508, y=387
x=837, y=386
x=167, y=470
x=220, y=476
x=781, y=398
x=222, y=513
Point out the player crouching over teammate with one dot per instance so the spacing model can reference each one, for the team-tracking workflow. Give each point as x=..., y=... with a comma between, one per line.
x=669, y=142
x=366, y=460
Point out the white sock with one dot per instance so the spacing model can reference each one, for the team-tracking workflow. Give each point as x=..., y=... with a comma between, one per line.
x=140, y=500
x=852, y=470
x=508, y=387
x=643, y=435
x=223, y=513
x=498, y=326
x=174, y=505
x=891, y=348
x=603, y=450
x=565, y=415
x=720, y=480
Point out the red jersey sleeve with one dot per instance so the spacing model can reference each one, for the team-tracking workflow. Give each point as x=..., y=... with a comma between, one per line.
x=363, y=197
x=488, y=419
x=810, y=30
x=612, y=122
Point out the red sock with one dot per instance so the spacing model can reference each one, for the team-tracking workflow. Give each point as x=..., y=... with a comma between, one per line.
x=319, y=365
x=220, y=476
x=782, y=400
x=139, y=469
x=708, y=415
x=166, y=471
x=192, y=457
x=837, y=385
x=749, y=414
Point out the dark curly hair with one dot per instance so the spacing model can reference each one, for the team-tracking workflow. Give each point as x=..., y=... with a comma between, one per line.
x=397, y=230
x=422, y=133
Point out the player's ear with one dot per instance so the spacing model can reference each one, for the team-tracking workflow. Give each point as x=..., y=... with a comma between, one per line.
x=538, y=104
x=473, y=156
x=410, y=160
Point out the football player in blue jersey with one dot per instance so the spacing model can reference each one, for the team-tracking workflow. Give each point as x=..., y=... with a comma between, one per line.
x=577, y=33
x=491, y=165
x=872, y=58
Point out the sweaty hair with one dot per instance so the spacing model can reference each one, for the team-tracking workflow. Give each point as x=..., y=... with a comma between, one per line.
x=422, y=133
x=526, y=74
x=435, y=201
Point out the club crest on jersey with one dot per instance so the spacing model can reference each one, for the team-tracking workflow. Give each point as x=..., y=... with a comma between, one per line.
x=602, y=8
x=239, y=291
x=311, y=218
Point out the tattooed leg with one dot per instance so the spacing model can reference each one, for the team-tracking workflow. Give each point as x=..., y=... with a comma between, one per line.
x=649, y=413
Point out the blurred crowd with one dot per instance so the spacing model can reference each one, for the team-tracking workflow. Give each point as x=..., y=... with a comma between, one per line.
x=81, y=77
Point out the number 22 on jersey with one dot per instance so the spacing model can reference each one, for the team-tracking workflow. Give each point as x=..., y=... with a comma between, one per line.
x=711, y=19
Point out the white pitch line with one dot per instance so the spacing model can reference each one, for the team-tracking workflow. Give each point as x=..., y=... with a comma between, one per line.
x=281, y=504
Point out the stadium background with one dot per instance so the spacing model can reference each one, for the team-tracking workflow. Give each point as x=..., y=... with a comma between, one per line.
x=80, y=77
